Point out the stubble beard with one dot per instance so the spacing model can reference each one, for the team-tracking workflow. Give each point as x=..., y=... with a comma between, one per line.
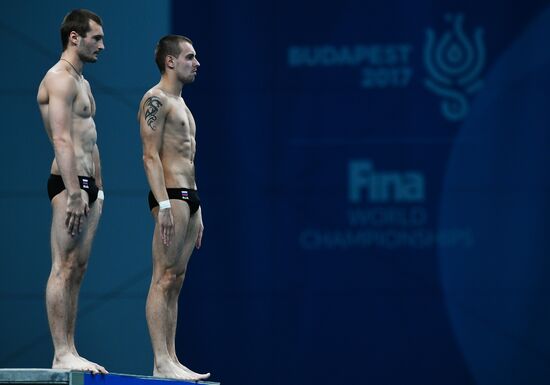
x=87, y=58
x=190, y=79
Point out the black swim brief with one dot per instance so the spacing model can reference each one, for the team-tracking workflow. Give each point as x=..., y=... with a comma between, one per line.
x=87, y=183
x=191, y=197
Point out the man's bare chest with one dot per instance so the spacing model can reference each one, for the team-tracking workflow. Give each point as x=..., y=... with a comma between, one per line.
x=180, y=121
x=84, y=104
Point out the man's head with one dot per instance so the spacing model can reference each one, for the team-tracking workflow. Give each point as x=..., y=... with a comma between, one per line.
x=83, y=30
x=176, y=53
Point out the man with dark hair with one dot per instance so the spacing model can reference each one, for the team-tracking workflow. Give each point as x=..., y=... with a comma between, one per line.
x=67, y=108
x=168, y=45
x=168, y=135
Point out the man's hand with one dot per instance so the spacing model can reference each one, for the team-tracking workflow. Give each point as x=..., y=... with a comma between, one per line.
x=99, y=202
x=77, y=210
x=166, y=225
x=198, y=242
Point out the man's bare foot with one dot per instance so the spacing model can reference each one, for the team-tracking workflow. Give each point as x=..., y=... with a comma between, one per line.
x=170, y=369
x=70, y=361
x=100, y=368
x=199, y=376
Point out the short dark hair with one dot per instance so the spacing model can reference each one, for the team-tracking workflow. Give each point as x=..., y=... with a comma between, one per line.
x=77, y=20
x=168, y=45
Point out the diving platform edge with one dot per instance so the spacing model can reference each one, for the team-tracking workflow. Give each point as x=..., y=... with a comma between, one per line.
x=27, y=376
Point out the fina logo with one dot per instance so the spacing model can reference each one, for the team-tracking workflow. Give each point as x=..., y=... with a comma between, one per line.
x=454, y=64
x=383, y=186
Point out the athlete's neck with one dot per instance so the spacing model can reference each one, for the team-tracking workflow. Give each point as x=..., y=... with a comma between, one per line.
x=170, y=86
x=73, y=60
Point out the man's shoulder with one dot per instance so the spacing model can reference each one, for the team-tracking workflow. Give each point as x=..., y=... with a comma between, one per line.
x=155, y=92
x=157, y=98
x=58, y=73
x=58, y=80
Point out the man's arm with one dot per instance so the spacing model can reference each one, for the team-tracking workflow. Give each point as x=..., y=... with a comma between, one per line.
x=62, y=92
x=198, y=241
x=152, y=117
x=97, y=167
x=98, y=177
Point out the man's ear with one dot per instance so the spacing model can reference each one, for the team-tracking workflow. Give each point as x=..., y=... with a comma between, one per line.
x=74, y=38
x=170, y=61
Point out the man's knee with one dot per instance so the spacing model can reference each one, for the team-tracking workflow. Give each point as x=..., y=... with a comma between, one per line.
x=70, y=269
x=170, y=280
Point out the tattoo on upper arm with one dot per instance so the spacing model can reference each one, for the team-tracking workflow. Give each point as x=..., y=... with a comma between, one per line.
x=151, y=107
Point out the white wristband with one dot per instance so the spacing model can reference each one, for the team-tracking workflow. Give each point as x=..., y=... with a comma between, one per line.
x=164, y=204
x=100, y=195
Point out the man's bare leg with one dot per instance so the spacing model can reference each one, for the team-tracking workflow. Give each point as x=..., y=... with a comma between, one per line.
x=93, y=218
x=169, y=266
x=172, y=321
x=189, y=245
x=69, y=262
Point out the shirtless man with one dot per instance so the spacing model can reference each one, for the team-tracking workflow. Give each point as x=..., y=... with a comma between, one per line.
x=67, y=108
x=168, y=136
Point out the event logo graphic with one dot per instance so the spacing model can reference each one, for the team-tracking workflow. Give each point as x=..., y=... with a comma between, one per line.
x=383, y=186
x=381, y=65
x=454, y=63
x=386, y=210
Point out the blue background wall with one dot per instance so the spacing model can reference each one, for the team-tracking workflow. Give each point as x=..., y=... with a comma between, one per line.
x=111, y=327
x=374, y=179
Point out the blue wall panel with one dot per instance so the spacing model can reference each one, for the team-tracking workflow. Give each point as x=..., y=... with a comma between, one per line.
x=375, y=183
